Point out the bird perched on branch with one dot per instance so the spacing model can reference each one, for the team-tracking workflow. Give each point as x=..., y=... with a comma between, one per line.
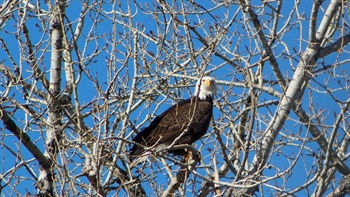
x=181, y=124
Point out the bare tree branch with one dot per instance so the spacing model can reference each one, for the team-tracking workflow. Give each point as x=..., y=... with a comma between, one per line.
x=79, y=79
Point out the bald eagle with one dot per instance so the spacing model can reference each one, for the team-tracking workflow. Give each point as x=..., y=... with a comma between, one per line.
x=183, y=123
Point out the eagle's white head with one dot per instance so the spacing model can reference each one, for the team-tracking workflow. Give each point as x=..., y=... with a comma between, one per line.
x=205, y=87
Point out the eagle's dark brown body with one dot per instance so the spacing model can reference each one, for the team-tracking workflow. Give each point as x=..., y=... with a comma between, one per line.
x=191, y=116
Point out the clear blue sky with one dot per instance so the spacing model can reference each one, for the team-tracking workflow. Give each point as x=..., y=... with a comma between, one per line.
x=87, y=90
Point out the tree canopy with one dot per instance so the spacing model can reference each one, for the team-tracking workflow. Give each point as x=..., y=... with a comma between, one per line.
x=79, y=79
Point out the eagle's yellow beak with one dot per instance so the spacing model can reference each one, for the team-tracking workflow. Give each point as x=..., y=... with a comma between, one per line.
x=207, y=83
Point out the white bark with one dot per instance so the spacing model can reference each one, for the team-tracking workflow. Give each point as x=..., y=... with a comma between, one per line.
x=295, y=89
x=53, y=132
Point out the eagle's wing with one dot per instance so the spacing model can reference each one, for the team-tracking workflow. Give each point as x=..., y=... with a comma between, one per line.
x=165, y=128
